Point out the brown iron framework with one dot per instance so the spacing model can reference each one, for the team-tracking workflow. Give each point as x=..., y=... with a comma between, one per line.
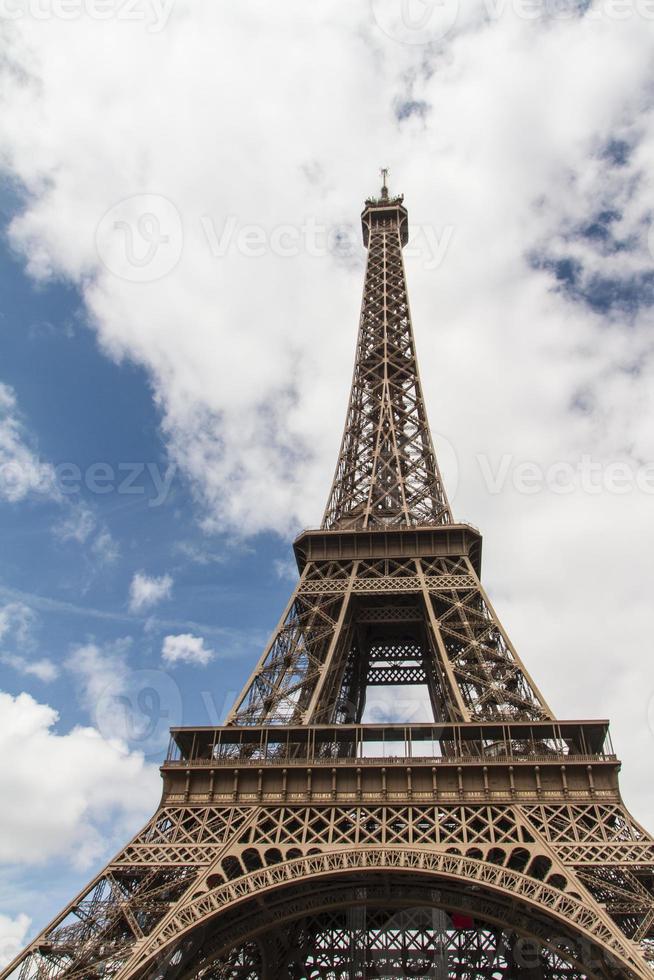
x=300, y=841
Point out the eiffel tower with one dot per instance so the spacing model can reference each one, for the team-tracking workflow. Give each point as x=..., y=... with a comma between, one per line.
x=297, y=841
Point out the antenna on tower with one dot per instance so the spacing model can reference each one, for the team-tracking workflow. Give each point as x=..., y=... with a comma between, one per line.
x=384, y=192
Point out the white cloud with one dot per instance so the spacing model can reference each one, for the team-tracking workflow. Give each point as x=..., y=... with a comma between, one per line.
x=260, y=422
x=17, y=623
x=199, y=555
x=286, y=569
x=105, y=548
x=186, y=648
x=134, y=705
x=22, y=473
x=97, y=669
x=43, y=668
x=13, y=934
x=81, y=525
x=397, y=704
x=532, y=140
x=69, y=795
x=146, y=591
x=78, y=524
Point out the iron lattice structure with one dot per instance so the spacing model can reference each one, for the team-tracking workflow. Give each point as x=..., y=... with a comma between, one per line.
x=297, y=840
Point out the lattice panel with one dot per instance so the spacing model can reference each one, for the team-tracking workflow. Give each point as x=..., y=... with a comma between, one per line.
x=327, y=571
x=585, y=823
x=384, y=568
x=397, y=584
x=455, y=568
x=396, y=662
x=428, y=825
x=614, y=854
x=488, y=673
x=396, y=675
x=280, y=688
x=184, y=835
x=389, y=613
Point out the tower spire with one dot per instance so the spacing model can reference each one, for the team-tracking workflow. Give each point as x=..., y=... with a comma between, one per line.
x=387, y=473
x=384, y=190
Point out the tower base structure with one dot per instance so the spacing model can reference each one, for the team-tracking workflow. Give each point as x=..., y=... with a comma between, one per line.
x=356, y=851
x=343, y=850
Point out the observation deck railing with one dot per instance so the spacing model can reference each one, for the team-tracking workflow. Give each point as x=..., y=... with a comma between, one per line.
x=367, y=745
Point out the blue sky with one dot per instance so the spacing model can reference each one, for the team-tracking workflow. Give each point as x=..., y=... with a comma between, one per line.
x=181, y=274
x=87, y=409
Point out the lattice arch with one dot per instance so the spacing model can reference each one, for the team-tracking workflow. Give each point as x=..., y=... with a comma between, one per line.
x=539, y=901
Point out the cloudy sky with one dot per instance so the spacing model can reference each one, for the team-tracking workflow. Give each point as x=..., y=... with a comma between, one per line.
x=181, y=270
